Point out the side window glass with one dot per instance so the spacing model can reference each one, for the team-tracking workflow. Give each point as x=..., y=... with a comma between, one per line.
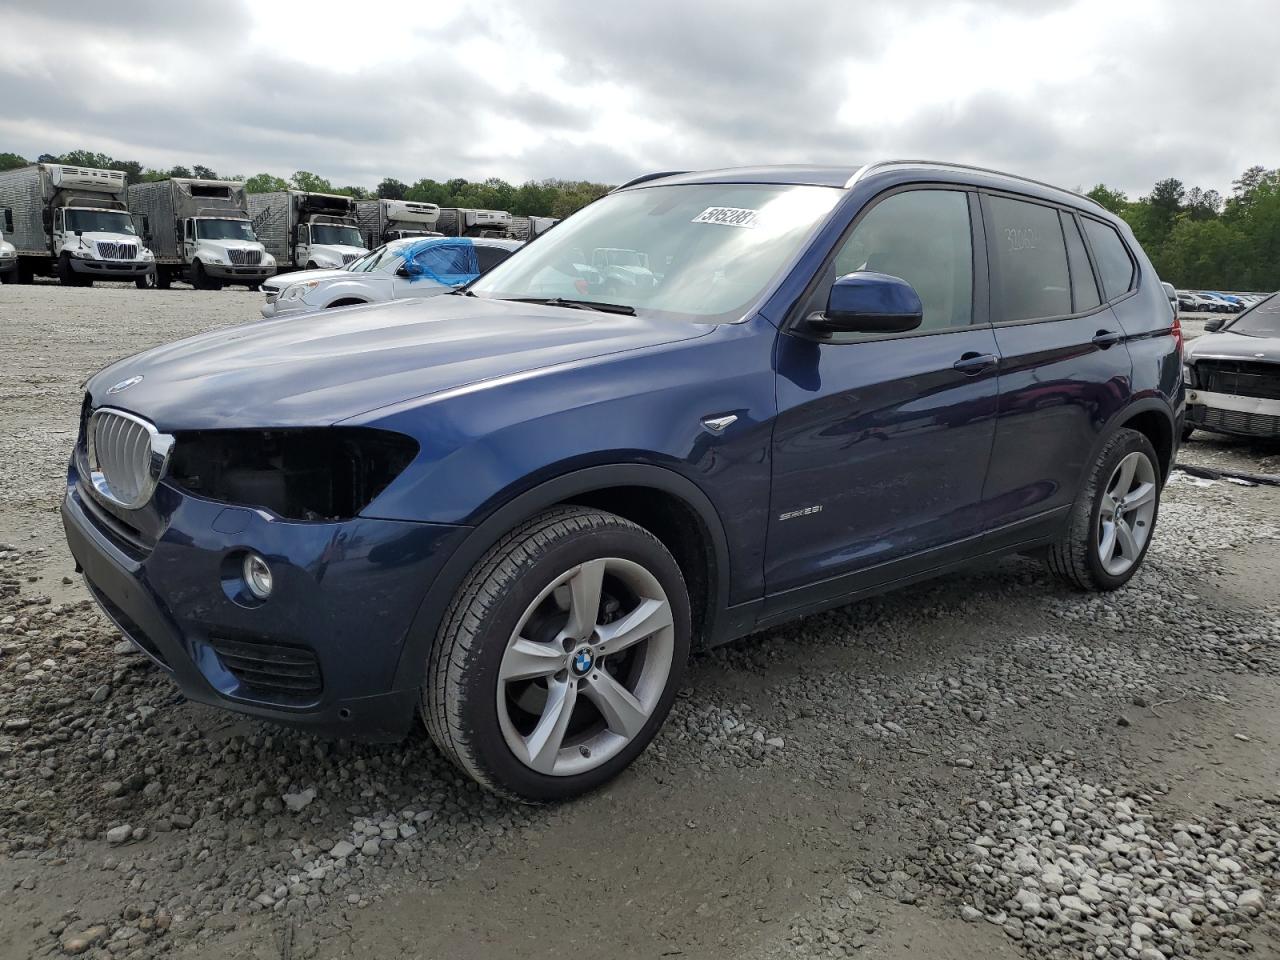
x=1114, y=263
x=1028, y=261
x=923, y=237
x=1084, y=289
x=489, y=257
x=446, y=260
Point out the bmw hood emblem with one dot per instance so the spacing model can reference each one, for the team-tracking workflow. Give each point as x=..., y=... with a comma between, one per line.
x=583, y=661
x=124, y=384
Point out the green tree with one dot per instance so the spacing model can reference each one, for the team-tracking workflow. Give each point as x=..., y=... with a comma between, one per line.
x=392, y=189
x=265, y=183
x=310, y=182
x=12, y=161
x=1113, y=200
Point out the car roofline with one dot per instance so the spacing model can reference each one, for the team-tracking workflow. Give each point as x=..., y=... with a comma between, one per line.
x=868, y=168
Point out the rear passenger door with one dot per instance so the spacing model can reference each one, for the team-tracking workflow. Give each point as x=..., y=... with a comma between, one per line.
x=1064, y=369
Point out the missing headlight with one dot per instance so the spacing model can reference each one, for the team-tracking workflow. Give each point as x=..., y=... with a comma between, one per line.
x=325, y=473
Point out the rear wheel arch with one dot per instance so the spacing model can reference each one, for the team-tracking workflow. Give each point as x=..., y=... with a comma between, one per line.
x=1153, y=420
x=636, y=492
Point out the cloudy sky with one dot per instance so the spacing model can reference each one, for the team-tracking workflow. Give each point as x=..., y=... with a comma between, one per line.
x=1072, y=91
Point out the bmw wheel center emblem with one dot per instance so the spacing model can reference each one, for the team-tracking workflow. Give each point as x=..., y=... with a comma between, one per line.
x=583, y=661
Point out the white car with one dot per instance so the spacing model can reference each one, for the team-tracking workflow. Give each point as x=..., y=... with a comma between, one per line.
x=408, y=268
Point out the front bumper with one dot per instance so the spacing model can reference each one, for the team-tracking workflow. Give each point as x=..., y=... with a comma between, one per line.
x=286, y=308
x=112, y=269
x=1231, y=414
x=345, y=596
x=238, y=274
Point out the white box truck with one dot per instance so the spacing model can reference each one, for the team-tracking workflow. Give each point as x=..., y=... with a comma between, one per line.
x=526, y=228
x=384, y=220
x=72, y=222
x=307, y=231
x=469, y=222
x=199, y=231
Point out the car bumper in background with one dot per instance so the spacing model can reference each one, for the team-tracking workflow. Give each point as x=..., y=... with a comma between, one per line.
x=1228, y=413
x=321, y=652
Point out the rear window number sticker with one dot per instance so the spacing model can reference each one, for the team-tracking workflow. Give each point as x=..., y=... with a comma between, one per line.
x=727, y=216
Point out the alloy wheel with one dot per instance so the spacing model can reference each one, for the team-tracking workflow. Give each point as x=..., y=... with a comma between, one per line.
x=585, y=667
x=1128, y=508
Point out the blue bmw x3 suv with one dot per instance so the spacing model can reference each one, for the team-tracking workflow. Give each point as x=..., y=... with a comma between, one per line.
x=515, y=510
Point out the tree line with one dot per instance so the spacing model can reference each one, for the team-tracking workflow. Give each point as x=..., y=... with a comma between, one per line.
x=535, y=198
x=1200, y=240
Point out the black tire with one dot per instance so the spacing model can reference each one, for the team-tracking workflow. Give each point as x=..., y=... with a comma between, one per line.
x=163, y=279
x=66, y=275
x=201, y=280
x=1187, y=431
x=1074, y=557
x=459, y=693
x=146, y=282
x=347, y=302
x=253, y=287
x=26, y=274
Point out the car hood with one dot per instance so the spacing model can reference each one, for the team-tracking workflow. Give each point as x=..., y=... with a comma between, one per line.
x=282, y=280
x=1234, y=346
x=347, y=362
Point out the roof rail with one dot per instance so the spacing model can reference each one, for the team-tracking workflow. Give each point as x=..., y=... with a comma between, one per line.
x=869, y=167
x=645, y=178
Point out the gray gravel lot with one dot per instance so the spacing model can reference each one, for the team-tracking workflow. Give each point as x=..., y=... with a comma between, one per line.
x=985, y=766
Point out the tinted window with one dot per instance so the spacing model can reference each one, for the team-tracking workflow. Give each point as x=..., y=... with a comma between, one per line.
x=1028, y=261
x=1084, y=288
x=490, y=257
x=1114, y=265
x=924, y=238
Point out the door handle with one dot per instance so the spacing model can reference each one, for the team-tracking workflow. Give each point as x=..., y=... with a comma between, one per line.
x=971, y=364
x=1106, y=338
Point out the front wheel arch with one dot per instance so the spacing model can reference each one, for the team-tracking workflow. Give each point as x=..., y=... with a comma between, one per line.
x=589, y=485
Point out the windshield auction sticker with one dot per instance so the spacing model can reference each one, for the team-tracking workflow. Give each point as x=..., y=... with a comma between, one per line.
x=727, y=216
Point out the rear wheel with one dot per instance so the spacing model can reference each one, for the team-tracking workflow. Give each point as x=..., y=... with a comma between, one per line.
x=560, y=656
x=1111, y=522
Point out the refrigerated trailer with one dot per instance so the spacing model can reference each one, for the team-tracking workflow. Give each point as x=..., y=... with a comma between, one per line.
x=526, y=228
x=199, y=231
x=304, y=231
x=384, y=220
x=469, y=222
x=72, y=222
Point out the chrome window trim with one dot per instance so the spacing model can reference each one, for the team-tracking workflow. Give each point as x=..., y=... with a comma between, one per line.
x=160, y=448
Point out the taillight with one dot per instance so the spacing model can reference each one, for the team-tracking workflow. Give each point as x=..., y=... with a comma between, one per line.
x=1176, y=330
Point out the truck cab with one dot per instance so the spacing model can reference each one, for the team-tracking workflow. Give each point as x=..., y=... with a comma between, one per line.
x=327, y=242
x=224, y=249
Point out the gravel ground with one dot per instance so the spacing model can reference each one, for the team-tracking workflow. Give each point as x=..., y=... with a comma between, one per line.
x=989, y=765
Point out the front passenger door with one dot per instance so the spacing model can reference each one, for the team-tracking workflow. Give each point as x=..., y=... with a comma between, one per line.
x=882, y=442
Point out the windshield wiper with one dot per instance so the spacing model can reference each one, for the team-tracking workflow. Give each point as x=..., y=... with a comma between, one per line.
x=460, y=292
x=596, y=305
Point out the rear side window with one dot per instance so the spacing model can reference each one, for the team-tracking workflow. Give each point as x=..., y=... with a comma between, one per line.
x=1084, y=288
x=490, y=257
x=1115, y=266
x=452, y=260
x=1029, y=261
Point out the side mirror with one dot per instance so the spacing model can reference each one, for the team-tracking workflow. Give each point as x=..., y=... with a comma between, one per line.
x=866, y=302
x=1214, y=325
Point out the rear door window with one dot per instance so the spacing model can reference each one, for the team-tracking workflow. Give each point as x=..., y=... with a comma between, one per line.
x=1114, y=263
x=1084, y=288
x=1029, y=277
x=489, y=257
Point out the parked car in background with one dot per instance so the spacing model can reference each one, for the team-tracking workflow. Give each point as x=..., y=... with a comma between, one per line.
x=415, y=267
x=515, y=512
x=8, y=252
x=1232, y=374
x=1172, y=295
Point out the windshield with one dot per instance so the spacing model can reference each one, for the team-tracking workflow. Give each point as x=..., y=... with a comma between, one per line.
x=385, y=257
x=336, y=234
x=224, y=230
x=99, y=221
x=710, y=249
x=1262, y=320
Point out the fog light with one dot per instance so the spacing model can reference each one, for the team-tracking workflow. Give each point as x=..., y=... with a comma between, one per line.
x=257, y=576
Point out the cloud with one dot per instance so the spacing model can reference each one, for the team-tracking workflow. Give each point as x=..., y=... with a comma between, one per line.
x=1071, y=91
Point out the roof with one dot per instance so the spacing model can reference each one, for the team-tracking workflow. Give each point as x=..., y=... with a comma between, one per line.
x=846, y=177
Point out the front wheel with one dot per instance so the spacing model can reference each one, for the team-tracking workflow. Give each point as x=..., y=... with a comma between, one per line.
x=1109, y=529
x=560, y=655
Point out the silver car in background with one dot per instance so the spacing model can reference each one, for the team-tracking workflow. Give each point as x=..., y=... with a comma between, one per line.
x=1233, y=374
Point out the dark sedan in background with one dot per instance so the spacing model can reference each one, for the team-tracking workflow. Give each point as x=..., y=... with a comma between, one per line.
x=1233, y=374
